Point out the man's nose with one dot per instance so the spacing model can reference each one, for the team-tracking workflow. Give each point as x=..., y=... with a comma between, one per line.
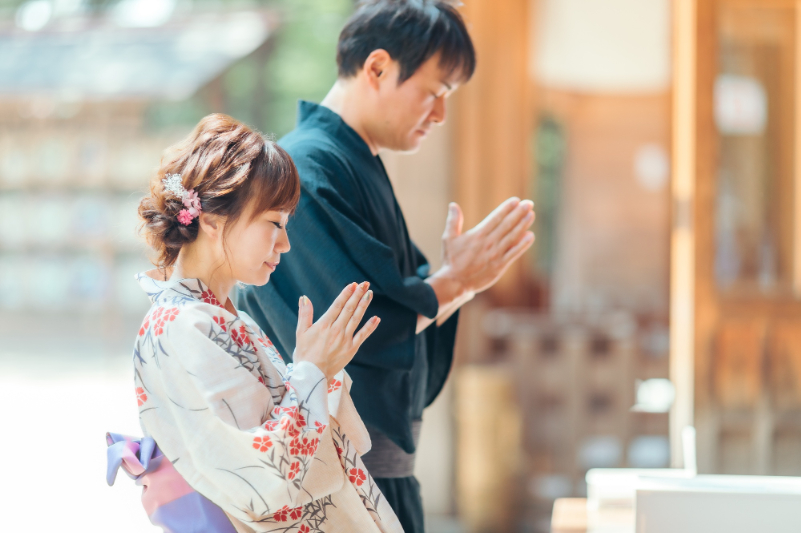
x=437, y=115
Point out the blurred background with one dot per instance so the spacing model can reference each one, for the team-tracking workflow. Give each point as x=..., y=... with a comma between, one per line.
x=657, y=138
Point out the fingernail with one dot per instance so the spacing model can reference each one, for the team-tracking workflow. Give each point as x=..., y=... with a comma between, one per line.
x=375, y=320
x=302, y=302
x=368, y=295
x=353, y=286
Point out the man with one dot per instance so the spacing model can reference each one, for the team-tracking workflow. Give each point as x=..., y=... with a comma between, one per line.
x=398, y=62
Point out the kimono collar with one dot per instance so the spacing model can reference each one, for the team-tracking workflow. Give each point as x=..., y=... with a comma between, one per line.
x=311, y=115
x=154, y=284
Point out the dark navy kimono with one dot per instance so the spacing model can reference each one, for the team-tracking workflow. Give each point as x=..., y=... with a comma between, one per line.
x=349, y=227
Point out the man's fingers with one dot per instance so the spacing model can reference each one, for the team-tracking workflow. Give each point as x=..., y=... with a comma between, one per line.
x=453, y=224
x=350, y=306
x=366, y=331
x=507, y=240
x=336, y=307
x=510, y=221
x=517, y=250
x=498, y=214
x=305, y=315
x=354, y=321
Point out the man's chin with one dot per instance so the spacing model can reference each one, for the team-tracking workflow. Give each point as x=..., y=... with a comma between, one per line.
x=411, y=146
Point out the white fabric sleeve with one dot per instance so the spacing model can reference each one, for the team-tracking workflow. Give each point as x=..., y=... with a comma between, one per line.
x=250, y=471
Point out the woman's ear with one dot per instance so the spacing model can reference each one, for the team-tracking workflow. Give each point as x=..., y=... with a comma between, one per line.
x=211, y=225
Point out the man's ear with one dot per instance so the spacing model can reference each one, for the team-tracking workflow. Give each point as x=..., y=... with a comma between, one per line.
x=376, y=67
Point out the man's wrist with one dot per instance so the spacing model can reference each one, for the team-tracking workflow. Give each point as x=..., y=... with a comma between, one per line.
x=447, y=287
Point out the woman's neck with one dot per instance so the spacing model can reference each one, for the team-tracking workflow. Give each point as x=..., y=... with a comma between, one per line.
x=192, y=263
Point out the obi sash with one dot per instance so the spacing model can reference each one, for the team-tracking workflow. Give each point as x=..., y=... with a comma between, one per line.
x=169, y=501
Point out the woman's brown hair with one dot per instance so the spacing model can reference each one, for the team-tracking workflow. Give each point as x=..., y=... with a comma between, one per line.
x=228, y=165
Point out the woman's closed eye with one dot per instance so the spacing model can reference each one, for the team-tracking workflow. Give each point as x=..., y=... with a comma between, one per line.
x=278, y=224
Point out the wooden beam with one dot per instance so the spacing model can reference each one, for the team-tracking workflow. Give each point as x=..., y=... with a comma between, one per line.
x=682, y=261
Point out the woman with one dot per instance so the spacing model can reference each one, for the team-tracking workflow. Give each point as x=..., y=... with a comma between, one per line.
x=276, y=447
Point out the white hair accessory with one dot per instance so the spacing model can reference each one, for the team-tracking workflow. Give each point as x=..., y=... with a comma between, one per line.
x=173, y=184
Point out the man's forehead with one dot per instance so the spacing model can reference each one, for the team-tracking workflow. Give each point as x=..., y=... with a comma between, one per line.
x=433, y=68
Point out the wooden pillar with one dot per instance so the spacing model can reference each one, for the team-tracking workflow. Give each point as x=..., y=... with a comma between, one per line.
x=682, y=264
x=493, y=122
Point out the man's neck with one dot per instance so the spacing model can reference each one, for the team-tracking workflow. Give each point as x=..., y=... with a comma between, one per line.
x=344, y=100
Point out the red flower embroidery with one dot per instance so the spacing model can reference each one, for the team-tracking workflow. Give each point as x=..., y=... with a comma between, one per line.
x=141, y=397
x=295, y=447
x=334, y=385
x=145, y=325
x=280, y=516
x=162, y=318
x=271, y=425
x=295, y=513
x=301, y=420
x=209, y=298
x=265, y=341
x=304, y=529
x=221, y=322
x=262, y=443
x=357, y=476
x=240, y=337
x=306, y=446
x=291, y=410
x=339, y=450
x=294, y=470
x=320, y=427
x=312, y=448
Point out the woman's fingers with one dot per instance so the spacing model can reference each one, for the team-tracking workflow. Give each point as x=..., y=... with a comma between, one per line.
x=365, y=332
x=336, y=308
x=305, y=315
x=350, y=306
x=356, y=319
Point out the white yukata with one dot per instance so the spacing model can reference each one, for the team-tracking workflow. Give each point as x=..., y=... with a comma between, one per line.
x=274, y=446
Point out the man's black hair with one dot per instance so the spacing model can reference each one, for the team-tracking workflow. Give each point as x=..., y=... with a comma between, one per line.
x=411, y=31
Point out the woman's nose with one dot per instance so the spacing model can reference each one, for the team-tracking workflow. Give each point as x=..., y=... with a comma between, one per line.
x=282, y=244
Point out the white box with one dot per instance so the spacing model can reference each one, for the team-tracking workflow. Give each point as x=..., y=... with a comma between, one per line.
x=719, y=504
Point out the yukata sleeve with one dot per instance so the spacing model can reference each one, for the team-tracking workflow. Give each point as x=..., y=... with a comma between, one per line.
x=254, y=473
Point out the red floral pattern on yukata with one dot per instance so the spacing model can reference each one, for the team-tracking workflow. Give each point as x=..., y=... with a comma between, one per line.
x=208, y=297
x=161, y=316
x=240, y=336
x=357, y=476
x=262, y=443
x=334, y=385
x=141, y=397
x=293, y=470
x=220, y=321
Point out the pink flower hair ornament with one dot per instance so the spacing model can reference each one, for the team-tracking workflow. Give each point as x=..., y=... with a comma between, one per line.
x=172, y=184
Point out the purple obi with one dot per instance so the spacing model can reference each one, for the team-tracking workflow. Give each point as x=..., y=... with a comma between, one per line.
x=169, y=501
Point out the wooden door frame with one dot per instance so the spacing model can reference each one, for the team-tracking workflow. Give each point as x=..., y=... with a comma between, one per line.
x=695, y=304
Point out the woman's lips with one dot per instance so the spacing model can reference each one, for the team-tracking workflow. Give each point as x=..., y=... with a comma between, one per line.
x=272, y=266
